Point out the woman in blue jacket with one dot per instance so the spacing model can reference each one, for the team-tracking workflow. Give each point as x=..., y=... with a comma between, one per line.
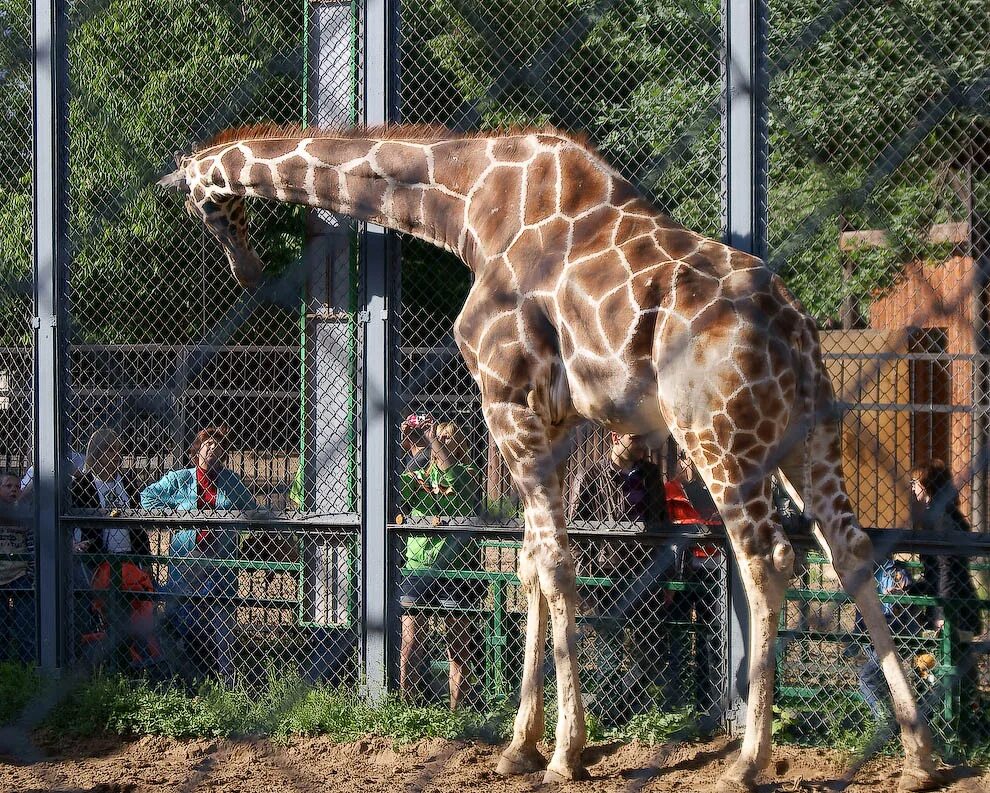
x=204, y=578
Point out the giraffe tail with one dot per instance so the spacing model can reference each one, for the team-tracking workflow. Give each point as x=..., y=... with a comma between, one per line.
x=810, y=383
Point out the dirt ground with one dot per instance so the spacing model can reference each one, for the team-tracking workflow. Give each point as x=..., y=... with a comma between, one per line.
x=312, y=765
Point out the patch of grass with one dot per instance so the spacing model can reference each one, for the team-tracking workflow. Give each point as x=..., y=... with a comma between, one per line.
x=286, y=707
x=657, y=727
x=18, y=684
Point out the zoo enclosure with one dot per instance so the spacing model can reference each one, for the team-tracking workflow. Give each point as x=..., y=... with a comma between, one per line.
x=847, y=144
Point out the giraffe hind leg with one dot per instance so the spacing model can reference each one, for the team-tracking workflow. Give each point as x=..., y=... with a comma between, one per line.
x=852, y=555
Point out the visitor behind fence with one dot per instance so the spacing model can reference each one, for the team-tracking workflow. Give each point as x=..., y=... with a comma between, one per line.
x=623, y=488
x=102, y=484
x=893, y=578
x=447, y=488
x=16, y=575
x=114, y=560
x=935, y=509
x=76, y=463
x=200, y=575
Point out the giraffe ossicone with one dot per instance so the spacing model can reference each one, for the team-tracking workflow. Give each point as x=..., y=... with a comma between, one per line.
x=588, y=303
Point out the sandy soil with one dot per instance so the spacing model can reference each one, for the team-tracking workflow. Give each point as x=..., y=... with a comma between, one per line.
x=162, y=765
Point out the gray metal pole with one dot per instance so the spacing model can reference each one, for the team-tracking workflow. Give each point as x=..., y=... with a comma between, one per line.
x=744, y=141
x=329, y=419
x=379, y=109
x=50, y=86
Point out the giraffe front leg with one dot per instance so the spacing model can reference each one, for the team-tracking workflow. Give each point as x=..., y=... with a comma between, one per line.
x=531, y=450
x=764, y=582
x=521, y=756
x=558, y=581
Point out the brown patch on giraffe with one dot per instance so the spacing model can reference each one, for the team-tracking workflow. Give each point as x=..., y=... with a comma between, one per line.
x=365, y=195
x=758, y=510
x=514, y=149
x=326, y=183
x=618, y=315
x=292, y=172
x=711, y=318
x=860, y=544
x=633, y=226
x=530, y=260
x=745, y=443
x=593, y=232
x=541, y=189
x=596, y=275
x=271, y=149
x=642, y=252
x=585, y=184
x=446, y=213
x=828, y=488
x=677, y=242
x=233, y=162
x=338, y=152
x=407, y=207
x=457, y=165
x=722, y=430
x=497, y=220
x=696, y=281
x=765, y=535
x=766, y=431
x=767, y=399
x=744, y=411
x=259, y=175
x=554, y=234
x=403, y=163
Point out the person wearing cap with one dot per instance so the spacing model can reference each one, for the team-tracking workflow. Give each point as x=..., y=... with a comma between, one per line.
x=414, y=441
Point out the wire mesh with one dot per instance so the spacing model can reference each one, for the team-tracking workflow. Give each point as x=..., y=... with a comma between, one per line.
x=877, y=168
x=877, y=206
x=830, y=689
x=17, y=540
x=651, y=622
x=213, y=511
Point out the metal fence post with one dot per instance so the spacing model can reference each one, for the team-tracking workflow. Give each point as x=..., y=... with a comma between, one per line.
x=379, y=109
x=50, y=85
x=744, y=192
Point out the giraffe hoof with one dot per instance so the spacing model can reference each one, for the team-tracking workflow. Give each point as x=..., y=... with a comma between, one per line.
x=915, y=780
x=577, y=773
x=728, y=784
x=520, y=761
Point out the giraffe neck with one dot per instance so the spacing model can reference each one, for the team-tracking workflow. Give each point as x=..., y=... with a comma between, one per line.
x=419, y=187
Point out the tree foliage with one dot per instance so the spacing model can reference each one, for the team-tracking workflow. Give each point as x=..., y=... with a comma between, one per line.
x=148, y=78
x=867, y=110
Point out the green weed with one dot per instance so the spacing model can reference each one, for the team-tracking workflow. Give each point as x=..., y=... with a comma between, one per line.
x=18, y=684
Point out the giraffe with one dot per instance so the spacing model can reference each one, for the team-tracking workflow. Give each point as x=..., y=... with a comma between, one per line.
x=588, y=303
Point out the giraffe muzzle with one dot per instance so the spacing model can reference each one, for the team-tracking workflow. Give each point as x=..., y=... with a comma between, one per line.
x=247, y=268
x=176, y=180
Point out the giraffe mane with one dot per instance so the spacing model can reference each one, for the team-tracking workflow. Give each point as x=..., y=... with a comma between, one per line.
x=384, y=132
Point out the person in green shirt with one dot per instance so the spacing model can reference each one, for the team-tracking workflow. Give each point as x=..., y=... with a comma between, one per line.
x=447, y=488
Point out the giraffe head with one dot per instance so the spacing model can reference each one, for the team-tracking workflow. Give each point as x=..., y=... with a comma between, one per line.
x=209, y=199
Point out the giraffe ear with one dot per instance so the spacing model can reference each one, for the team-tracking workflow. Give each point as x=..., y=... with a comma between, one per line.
x=175, y=180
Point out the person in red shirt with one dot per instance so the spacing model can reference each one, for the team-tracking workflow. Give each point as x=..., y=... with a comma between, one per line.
x=200, y=575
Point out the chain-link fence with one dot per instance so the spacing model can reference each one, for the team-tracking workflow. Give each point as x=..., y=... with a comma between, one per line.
x=17, y=547
x=216, y=482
